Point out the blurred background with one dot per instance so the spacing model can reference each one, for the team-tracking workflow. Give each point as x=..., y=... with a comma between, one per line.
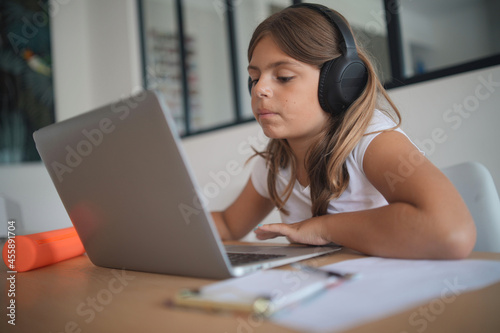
x=438, y=59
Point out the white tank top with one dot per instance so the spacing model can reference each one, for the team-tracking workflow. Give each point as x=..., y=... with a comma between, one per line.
x=360, y=194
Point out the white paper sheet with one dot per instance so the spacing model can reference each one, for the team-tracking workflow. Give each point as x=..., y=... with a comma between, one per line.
x=388, y=286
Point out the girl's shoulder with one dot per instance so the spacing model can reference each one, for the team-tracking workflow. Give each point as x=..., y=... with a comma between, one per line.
x=379, y=123
x=259, y=175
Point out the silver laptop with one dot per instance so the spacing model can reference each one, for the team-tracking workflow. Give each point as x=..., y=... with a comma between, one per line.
x=124, y=180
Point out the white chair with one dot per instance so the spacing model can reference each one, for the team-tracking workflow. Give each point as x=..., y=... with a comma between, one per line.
x=475, y=184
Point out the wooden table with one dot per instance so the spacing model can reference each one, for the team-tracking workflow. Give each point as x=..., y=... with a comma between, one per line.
x=76, y=296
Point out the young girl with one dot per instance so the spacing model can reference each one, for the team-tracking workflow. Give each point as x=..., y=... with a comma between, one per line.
x=350, y=177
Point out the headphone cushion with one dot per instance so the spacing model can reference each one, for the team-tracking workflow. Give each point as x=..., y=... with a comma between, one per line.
x=322, y=89
x=342, y=80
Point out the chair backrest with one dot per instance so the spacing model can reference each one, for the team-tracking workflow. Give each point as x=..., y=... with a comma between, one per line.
x=476, y=186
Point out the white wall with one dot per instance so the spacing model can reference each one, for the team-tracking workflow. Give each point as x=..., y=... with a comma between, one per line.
x=96, y=54
x=96, y=62
x=455, y=119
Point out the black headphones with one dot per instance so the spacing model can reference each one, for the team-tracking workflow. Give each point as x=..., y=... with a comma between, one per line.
x=342, y=80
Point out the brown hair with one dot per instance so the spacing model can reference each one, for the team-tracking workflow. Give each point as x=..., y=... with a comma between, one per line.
x=307, y=36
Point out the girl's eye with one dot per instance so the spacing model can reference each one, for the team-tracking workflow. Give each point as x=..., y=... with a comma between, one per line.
x=285, y=79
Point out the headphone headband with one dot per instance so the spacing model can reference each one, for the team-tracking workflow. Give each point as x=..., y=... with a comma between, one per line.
x=349, y=45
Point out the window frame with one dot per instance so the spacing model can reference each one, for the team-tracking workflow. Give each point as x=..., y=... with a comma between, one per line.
x=395, y=42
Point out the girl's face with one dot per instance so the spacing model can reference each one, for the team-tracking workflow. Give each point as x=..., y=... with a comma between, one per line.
x=285, y=94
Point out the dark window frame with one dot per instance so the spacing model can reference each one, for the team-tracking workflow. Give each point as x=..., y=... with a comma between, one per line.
x=393, y=26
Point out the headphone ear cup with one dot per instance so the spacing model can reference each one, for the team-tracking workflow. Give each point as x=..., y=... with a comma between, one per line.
x=342, y=80
x=323, y=87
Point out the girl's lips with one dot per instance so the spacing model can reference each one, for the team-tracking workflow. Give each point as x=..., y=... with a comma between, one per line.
x=266, y=113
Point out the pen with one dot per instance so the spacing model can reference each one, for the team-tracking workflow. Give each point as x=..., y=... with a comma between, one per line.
x=266, y=306
x=327, y=273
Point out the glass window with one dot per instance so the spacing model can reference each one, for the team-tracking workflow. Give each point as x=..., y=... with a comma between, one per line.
x=442, y=33
x=203, y=53
x=204, y=75
x=162, y=55
x=209, y=67
x=26, y=84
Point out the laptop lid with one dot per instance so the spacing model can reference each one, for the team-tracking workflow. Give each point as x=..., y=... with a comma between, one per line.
x=125, y=182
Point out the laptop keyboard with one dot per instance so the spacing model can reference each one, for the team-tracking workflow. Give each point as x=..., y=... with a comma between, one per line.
x=246, y=258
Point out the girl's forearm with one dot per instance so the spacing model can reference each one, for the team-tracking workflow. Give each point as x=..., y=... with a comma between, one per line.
x=399, y=230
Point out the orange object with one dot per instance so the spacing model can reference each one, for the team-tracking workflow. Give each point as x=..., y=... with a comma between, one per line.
x=24, y=253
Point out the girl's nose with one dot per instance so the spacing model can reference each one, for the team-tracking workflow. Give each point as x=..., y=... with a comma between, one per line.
x=262, y=89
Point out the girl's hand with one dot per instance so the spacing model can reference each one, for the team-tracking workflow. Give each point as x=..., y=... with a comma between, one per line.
x=305, y=232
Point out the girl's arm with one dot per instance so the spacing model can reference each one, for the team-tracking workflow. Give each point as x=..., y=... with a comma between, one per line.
x=426, y=216
x=243, y=214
